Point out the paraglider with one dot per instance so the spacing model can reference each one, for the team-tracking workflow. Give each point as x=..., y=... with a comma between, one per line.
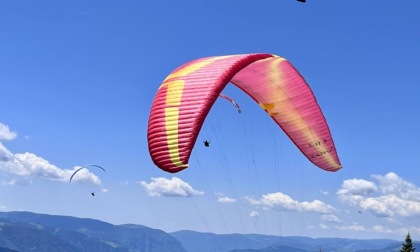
x=231, y=100
x=186, y=96
x=85, y=167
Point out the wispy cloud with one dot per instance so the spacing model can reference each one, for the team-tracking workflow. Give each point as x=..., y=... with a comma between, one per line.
x=376, y=228
x=254, y=214
x=123, y=183
x=391, y=196
x=353, y=227
x=381, y=229
x=284, y=202
x=325, y=192
x=323, y=226
x=174, y=187
x=398, y=232
x=330, y=218
x=26, y=166
x=224, y=199
x=12, y=182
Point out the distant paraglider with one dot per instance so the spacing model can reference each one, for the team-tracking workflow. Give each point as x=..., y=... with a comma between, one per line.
x=206, y=143
x=186, y=96
x=232, y=101
x=85, y=167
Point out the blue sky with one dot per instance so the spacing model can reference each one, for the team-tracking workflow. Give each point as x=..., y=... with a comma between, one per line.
x=77, y=80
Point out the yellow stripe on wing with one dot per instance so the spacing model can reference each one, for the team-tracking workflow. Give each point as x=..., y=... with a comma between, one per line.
x=175, y=87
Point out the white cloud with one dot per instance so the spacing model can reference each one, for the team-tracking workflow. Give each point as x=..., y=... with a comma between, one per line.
x=323, y=226
x=5, y=155
x=391, y=197
x=325, y=192
x=254, y=214
x=353, y=227
x=376, y=229
x=6, y=133
x=281, y=201
x=330, y=218
x=391, y=206
x=174, y=187
x=123, y=183
x=12, y=182
x=224, y=199
x=392, y=184
x=28, y=165
x=357, y=187
x=381, y=229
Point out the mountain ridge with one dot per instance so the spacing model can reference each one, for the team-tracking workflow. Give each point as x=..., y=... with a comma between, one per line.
x=27, y=231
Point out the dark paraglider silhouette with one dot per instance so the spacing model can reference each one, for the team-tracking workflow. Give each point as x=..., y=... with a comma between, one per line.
x=206, y=143
x=302, y=1
x=93, y=194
